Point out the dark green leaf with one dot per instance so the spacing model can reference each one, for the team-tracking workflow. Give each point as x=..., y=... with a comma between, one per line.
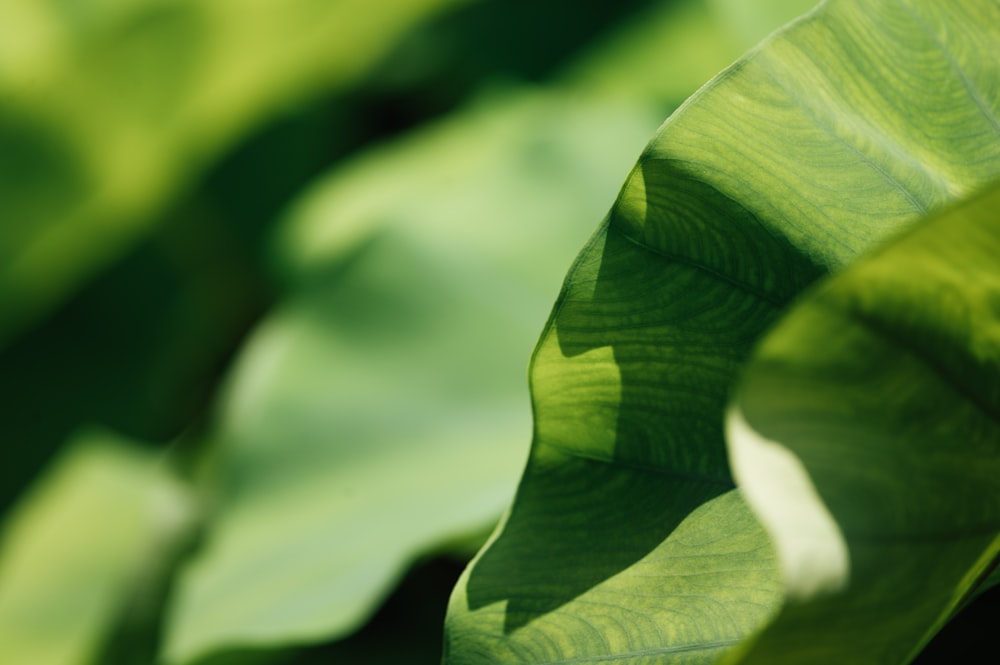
x=866, y=435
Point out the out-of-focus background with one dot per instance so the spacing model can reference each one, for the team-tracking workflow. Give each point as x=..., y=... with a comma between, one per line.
x=270, y=275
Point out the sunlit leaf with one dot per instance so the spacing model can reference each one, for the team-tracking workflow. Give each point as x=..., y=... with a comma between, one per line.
x=625, y=542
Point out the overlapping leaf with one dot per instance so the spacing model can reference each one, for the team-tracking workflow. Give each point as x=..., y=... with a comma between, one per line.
x=882, y=390
x=626, y=543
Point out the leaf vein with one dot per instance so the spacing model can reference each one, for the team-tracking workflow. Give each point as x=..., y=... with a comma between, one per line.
x=973, y=92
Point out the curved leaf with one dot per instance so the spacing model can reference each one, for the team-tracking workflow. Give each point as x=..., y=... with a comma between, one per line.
x=896, y=421
x=833, y=135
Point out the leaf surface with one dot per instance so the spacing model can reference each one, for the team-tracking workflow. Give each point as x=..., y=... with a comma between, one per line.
x=896, y=424
x=829, y=138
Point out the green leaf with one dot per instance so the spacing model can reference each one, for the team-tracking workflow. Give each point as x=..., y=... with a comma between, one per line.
x=112, y=108
x=431, y=259
x=749, y=22
x=73, y=551
x=625, y=542
x=671, y=48
x=890, y=435
x=513, y=155
x=685, y=40
x=375, y=417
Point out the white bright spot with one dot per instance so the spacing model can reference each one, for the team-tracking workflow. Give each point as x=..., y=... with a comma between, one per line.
x=811, y=549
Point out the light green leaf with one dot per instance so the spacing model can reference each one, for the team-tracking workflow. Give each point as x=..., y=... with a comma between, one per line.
x=75, y=548
x=684, y=39
x=112, y=108
x=625, y=543
x=376, y=415
x=881, y=391
x=750, y=21
x=669, y=50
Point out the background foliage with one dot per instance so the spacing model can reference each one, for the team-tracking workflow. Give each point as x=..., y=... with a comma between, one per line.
x=270, y=274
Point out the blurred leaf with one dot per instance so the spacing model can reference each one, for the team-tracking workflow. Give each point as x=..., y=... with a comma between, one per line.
x=749, y=21
x=75, y=548
x=519, y=40
x=137, y=350
x=624, y=542
x=892, y=432
x=461, y=188
x=374, y=416
x=111, y=108
x=686, y=41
